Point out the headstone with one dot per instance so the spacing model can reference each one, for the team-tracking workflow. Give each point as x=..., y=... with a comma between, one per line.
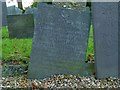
x=105, y=22
x=32, y=11
x=18, y=10
x=4, y=14
x=60, y=42
x=20, y=26
x=119, y=39
x=12, y=10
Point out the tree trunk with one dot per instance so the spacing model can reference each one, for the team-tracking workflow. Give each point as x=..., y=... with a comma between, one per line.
x=20, y=4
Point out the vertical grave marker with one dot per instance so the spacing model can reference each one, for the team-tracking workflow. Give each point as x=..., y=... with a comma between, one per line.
x=20, y=26
x=60, y=42
x=4, y=14
x=32, y=11
x=12, y=10
x=105, y=21
x=119, y=40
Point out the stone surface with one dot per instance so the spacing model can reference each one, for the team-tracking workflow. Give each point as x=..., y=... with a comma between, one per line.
x=119, y=40
x=4, y=14
x=60, y=42
x=105, y=21
x=12, y=10
x=20, y=26
x=32, y=11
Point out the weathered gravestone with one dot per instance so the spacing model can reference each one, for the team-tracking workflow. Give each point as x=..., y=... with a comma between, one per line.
x=60, y=42
x=105, y=21
x=20, y=26
x=12, y=10
x=4, y=13
x=32, y=11
x=119, y=39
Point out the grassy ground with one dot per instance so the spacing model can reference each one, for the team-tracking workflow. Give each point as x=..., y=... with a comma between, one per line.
x=90, y=49
x=15, y=49
x=0, y=44
x=19, y=49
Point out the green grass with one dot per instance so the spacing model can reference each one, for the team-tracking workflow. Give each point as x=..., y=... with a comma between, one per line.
x=90, y=49
x=15, y=49
x=19, y=49
x=5, y=33
x=0, y=44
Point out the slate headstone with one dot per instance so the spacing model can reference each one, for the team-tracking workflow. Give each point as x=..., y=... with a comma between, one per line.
x=32, y=11
x=60, y=42
x=4, y=14
x=12, y=10
x=18, y=10
x=119, y=39
x=105, y=22
x=20, y=26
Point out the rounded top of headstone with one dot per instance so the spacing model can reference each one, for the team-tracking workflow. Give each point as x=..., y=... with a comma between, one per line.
x=18, y=10
x=12, y=10
x=31, y=10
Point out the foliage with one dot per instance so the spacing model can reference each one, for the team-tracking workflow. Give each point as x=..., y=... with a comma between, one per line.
x=34, y=4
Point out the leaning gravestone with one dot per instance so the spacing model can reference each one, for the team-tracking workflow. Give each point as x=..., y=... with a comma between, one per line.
x=60, y=42
x=20, y=26
x=105, y=21
x=4, y=14
x=12, y=10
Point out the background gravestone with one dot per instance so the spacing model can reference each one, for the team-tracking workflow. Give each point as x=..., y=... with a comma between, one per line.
x=32, y=11
x=60, y=42
x=105, y=20
x=12, y=10
x=20, y=26
x=4, y=14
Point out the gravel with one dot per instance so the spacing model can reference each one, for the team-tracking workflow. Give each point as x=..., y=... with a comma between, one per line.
x=60, y=81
